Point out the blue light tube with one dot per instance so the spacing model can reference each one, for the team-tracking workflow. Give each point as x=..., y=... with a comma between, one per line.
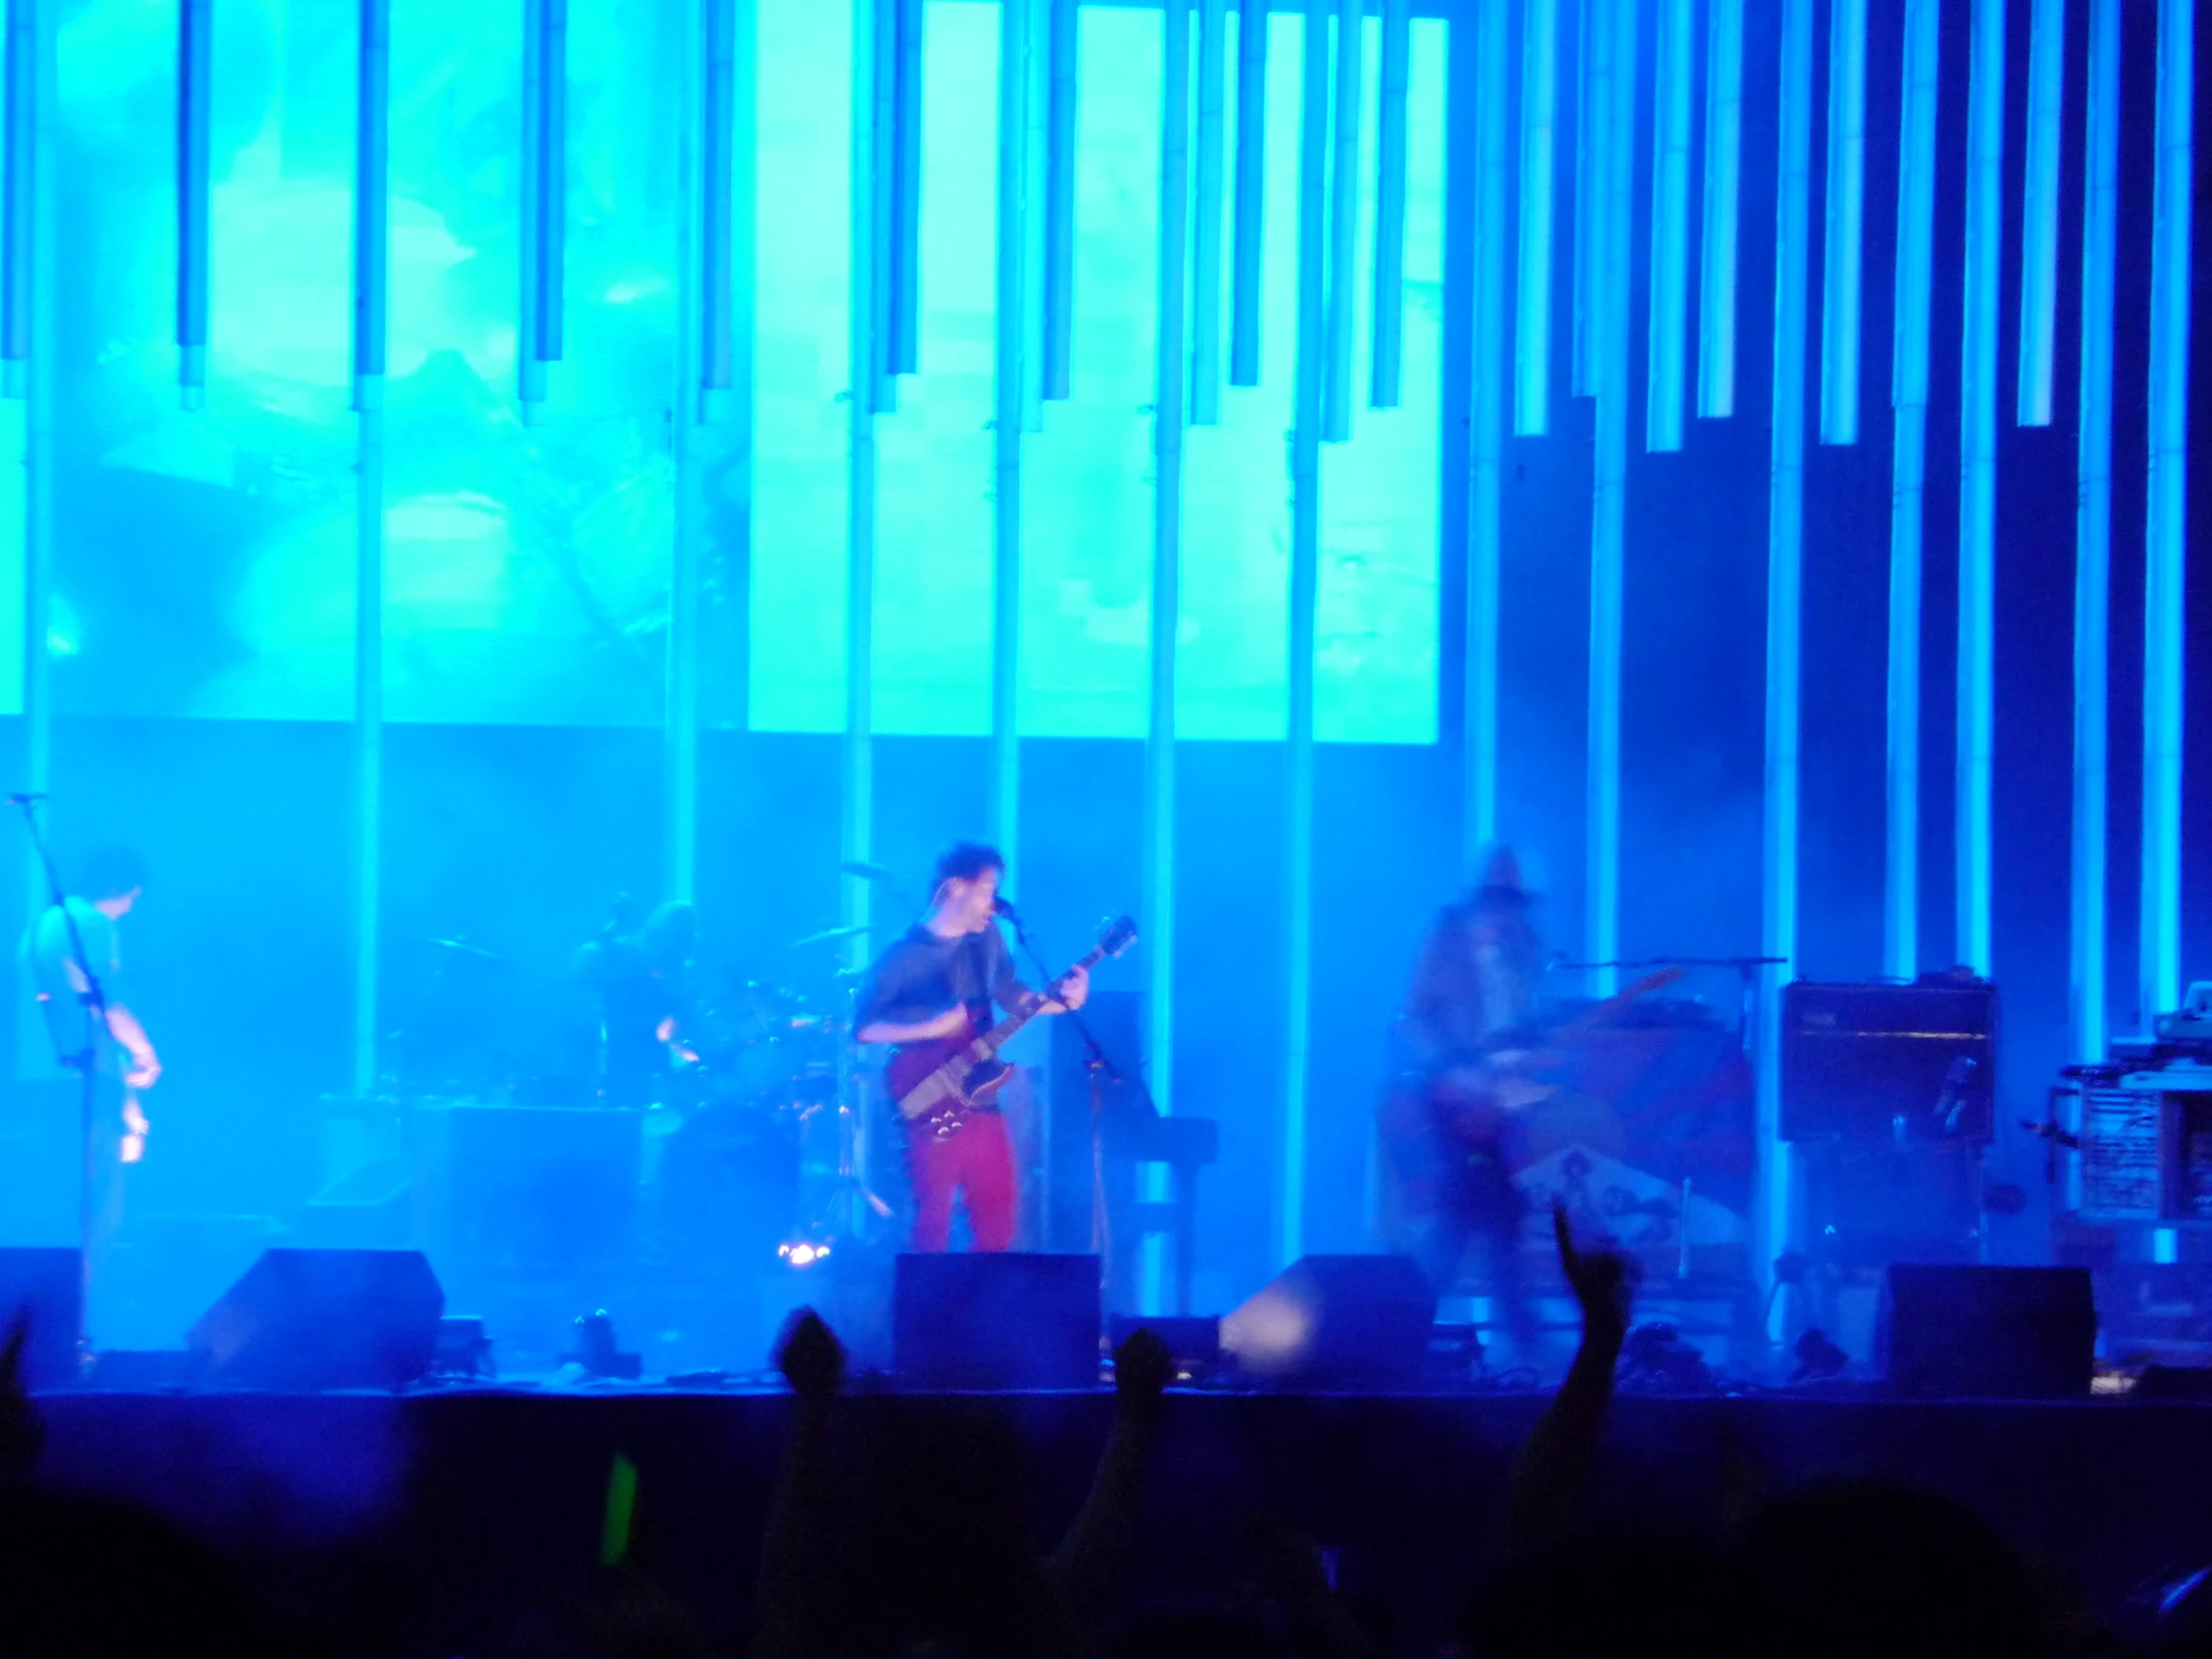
x=1845, y=248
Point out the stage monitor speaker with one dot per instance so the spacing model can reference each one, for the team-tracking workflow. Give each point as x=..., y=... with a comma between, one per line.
x=323, y=1319
x=1988, y=1333
x=987, y=1320
x=1336, y=1322
x=47, y=1288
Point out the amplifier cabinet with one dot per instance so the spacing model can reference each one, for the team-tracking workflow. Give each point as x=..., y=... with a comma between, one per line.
x=1861, y=1060
x=2146, y=1151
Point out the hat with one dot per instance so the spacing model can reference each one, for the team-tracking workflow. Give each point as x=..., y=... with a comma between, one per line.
x=1499, y=886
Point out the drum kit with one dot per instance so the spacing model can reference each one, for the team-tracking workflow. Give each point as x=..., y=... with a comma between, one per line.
x=754, y=1126
x=767, y=1120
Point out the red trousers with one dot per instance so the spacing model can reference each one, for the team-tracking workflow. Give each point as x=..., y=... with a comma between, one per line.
x=978, y=1158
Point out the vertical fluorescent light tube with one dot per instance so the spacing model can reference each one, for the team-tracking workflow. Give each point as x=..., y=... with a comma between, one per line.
x=1011, y=385
x=1593, y=153
x=1344, y=221
x=2100, y=215
x=1539, y=142
x=703, y=33
x=1167, y=575
x=905, y=296
x=1493, y=182
x=1785, y=527
x=1247, y=252
x=857, y=758
x=1977, y=430
x=1035, y=161
x=2047, y=105
x=716, y=220
x=882, y=242
x=1724, y=145
x=1609, y=498
x=22, y=115
x=370, y=207
x=1845, y=248
x=552, y=174
x=1389, y=205
x=1901, y=895
x=530, y=368
x=1306, y=428
x=1059, y=201
x=2166, y=550
x=1213, y=68
x=194, y=88
x=1673, y=104
x=32, y=376
x=371, y=271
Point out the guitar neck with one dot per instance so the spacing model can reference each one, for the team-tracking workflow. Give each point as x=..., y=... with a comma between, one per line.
x=999, y=1035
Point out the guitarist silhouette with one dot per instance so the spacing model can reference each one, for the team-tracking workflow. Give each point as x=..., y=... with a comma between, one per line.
x=1466, y=1056
x=931, y=994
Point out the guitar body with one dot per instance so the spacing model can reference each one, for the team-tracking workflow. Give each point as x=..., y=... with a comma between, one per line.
x=1432, y=1122
x=937, y=1083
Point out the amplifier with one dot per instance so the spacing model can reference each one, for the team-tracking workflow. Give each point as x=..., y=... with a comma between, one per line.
x=2146, y=1149
x=1861, y=1061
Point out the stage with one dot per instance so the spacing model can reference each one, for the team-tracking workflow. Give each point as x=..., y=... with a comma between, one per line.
x=426, y=1521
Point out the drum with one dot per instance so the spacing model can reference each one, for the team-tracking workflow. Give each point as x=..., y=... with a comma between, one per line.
x=729, y=1185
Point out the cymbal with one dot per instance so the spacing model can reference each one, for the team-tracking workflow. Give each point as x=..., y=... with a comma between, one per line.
x=869, y=873
x=828, y=935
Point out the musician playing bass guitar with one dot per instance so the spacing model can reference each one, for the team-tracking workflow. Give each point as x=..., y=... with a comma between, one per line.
x=936, y=985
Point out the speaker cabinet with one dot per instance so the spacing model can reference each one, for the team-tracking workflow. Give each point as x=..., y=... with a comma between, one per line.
x=1865, y=1062
x=1336, y=1322
x=1988, y=1333
x=977, y=1319
x=309, y=1320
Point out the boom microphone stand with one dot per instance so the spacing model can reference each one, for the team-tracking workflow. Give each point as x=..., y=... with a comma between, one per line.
x=85, y=1062
x=1101, y=1070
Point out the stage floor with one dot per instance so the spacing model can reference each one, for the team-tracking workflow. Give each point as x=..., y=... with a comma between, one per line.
x=501, y=1490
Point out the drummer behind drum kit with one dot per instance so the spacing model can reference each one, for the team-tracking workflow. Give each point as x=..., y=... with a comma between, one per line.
x=765, y=1122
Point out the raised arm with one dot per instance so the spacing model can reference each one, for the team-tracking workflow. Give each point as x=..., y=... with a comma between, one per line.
x=1094, y=1559
x=1552, y=1468
x=798, y=1583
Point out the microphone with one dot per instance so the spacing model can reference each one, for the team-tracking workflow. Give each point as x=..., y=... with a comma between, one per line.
x=1004, y=908
x=26, y=799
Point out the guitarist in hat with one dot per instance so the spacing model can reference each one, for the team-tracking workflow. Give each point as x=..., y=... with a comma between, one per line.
x=1466, y=1061
x=936, y=983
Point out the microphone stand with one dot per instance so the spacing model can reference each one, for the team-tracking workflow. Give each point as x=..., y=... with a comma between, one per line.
x=85, y=1062
x=1102, y=1071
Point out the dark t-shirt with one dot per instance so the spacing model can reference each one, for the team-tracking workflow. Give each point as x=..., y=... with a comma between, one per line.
x=924, y=974
x=637, y=993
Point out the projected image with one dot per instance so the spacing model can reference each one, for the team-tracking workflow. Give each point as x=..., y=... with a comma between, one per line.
x=206, y=559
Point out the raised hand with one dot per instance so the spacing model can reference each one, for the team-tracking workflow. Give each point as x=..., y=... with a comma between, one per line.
x=1598, y=1277
x=1143, y=1368
x=810, y=1358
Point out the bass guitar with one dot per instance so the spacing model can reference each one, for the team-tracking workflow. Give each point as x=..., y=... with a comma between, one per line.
x=937, y=1083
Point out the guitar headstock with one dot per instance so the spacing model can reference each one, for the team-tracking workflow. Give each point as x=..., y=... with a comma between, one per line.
x=1120, y=934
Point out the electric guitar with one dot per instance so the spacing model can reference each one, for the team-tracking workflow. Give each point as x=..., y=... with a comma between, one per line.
x=937, y=1083
x=1471, y=1100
